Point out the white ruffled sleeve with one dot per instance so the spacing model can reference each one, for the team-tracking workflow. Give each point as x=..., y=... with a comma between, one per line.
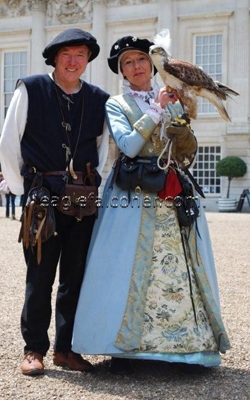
x=10, y=148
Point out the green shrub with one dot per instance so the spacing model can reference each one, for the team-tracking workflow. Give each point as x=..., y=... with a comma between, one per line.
x=232, y=167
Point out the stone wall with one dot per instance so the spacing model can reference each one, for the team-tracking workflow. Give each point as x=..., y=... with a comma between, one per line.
x=31, y=24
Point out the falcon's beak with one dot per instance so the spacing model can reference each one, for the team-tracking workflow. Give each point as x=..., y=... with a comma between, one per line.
x=151, y=49
x=155, y=50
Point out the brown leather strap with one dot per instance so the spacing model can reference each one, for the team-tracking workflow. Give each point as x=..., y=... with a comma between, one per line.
x=54, y=173
x=27, y=225
x=39, y=249
x=78, y=181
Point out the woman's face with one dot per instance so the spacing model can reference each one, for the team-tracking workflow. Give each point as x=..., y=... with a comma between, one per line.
x=136, y=68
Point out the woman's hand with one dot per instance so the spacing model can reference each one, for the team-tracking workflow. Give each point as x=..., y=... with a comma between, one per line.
x=166, y=95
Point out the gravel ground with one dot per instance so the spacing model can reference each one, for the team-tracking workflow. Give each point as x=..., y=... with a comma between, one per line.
x=152, y=380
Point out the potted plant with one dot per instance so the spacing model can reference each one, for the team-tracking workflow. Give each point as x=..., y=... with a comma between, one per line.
x=232, y=167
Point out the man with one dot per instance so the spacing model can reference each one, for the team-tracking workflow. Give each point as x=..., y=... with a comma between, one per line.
x=54, y=127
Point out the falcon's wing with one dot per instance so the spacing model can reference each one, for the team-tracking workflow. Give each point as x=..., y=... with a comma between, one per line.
x=192, y=76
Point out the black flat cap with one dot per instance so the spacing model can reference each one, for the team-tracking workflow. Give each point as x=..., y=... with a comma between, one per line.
x=127, y=43
x=71, y=37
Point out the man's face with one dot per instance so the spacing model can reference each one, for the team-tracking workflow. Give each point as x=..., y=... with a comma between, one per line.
x=71, y=62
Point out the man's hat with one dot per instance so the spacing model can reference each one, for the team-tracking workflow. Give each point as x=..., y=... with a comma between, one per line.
x=124, y=44
x=71, y=37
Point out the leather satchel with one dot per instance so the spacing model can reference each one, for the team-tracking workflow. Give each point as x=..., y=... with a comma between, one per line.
x=187, y=209
x=79, y=200
x=140, y=173
x=37, y=220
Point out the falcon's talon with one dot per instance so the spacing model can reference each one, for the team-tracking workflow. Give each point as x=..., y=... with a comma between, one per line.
x=169, y=89
x=180, y=121
x=186, y=117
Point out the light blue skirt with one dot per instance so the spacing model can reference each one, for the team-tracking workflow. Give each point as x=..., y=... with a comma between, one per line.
x=107, y=283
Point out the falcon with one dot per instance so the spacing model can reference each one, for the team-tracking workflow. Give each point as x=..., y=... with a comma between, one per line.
x=188, y=79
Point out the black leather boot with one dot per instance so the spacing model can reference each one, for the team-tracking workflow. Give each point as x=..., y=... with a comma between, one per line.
x=121, y=366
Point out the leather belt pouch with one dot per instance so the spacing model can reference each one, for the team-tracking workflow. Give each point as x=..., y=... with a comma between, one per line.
x=78, y=200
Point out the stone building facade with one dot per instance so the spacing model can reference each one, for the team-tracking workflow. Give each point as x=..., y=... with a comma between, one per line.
x=211, y=33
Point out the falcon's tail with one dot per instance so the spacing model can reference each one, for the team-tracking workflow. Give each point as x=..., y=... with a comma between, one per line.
x=226, y=89
x=217, y=102
x=223, y=112
x=218, y=96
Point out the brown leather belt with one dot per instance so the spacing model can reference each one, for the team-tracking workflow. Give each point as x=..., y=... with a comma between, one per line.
x=54, y=173
x=80, y=176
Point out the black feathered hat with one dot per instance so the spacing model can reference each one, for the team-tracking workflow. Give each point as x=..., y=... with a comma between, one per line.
x=71, y=37
x=124, y=44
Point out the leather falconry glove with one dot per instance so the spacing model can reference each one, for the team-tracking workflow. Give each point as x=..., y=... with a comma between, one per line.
x=184, y=143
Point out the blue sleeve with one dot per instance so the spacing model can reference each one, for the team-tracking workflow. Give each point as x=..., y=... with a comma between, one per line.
x=127, y=139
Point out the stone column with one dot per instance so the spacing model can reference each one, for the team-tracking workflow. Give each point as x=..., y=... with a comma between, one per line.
x=38, y=8
x=239, y=62
x=99, y=65
x=165, y=15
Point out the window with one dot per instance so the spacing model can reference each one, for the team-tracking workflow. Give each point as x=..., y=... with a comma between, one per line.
x=208, y=56
x=15, y=66
x=204, y=170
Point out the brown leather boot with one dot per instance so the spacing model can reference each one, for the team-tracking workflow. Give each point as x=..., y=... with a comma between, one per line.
x=32, y=364
x=73, y=361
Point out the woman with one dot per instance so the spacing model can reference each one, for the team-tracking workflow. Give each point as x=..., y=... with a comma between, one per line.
x=150, y=288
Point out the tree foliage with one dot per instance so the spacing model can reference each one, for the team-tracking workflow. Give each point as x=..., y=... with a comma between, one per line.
x=232, y=167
